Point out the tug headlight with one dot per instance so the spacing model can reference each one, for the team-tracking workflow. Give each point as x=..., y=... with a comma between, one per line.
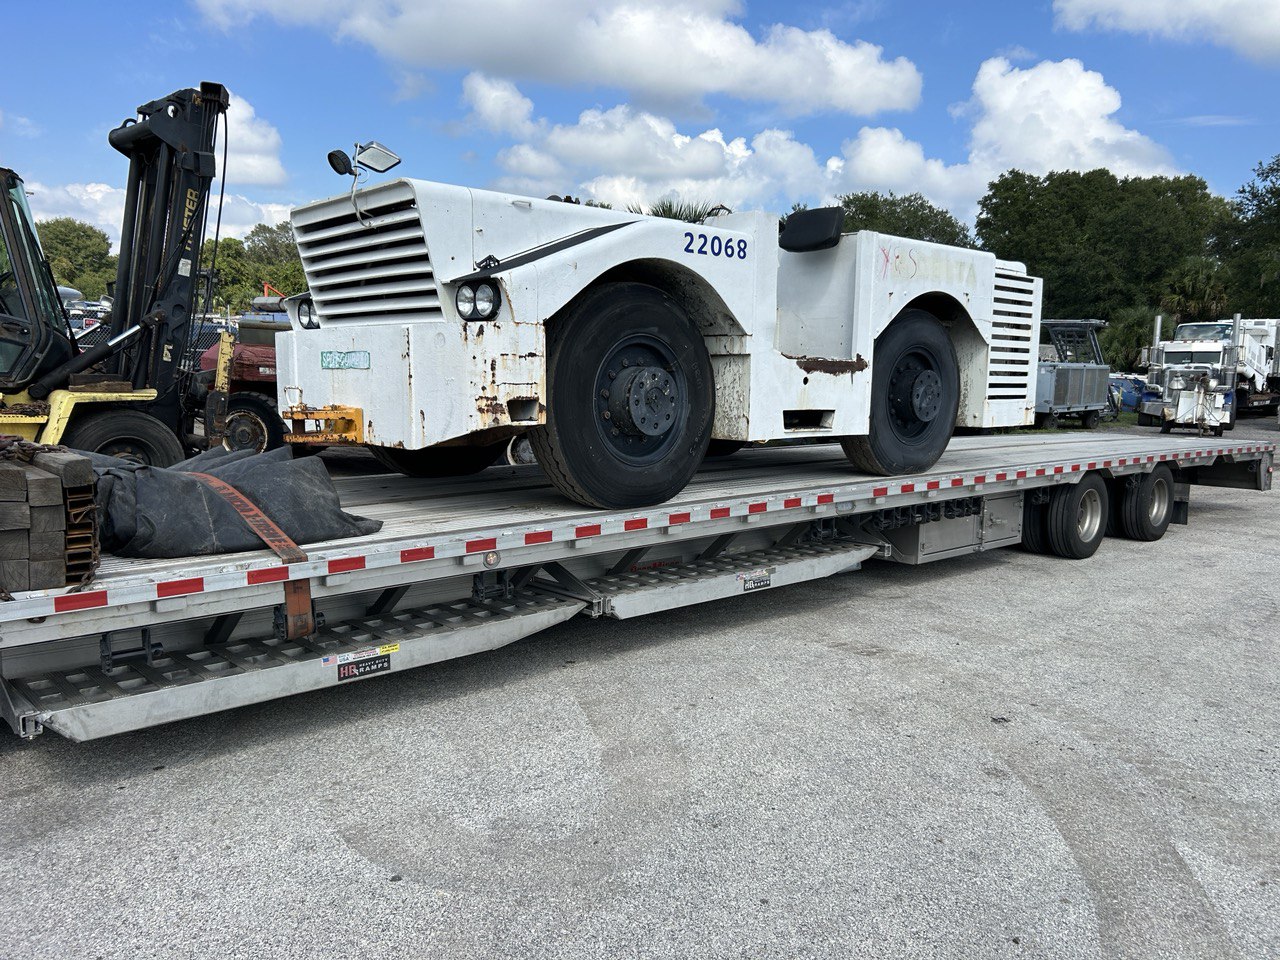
x=479, y=300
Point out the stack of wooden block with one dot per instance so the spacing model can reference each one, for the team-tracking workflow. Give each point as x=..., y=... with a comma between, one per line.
x=48, y=521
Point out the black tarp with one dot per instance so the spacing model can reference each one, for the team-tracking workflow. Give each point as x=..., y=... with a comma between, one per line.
x=154, y=512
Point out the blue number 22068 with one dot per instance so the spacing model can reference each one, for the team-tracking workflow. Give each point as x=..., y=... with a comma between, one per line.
x=715, y=246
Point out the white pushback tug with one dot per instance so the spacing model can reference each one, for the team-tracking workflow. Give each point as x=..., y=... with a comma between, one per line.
x=443, y=320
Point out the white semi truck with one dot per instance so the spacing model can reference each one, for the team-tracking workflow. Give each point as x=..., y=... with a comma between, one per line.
x=1211, y=373
x=444, y=320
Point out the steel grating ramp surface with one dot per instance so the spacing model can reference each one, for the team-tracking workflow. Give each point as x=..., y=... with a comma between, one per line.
x=90, y=702
x=634, y=594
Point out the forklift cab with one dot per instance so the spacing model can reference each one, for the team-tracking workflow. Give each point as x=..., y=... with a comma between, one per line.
x=33, y=328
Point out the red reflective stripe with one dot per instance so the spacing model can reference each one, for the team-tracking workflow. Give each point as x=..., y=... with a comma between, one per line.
x=269, y=575
x=343, y=564
x=933, y=485
x=1093, y=465
x=880, y=492
x=1106, y=463
x=757, y=507
x=538, y=536
x=639, y=523
x=908, y=488
x=679, y=518
x=80, y=601
x=957, y=482
x=826, y=498
x=791, y=502
x=417, y=553
x=480, y=546
x=587, y=530
x=1001, y=476
x=982, y=478
x=719, y=513
x=1020, y=475
x=178, y=588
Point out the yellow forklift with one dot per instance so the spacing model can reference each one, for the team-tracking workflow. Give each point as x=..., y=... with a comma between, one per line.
x=134, y=394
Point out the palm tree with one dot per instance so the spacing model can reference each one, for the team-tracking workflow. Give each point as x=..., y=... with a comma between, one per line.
x=1196, y=291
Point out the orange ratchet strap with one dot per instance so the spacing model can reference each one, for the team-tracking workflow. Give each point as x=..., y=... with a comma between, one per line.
x=299, y=617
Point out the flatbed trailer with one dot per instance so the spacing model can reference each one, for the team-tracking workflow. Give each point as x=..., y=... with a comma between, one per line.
x=463, y=566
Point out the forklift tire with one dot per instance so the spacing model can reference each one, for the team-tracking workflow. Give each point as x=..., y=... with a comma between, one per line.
x=438, y=461
x=1077, y=520
x=1146, y=505
x=1035, y=517
x=630, y=398
x=1091, y=419
x=253, y=423
x=128, y=434
x=915, y=393
x=719, y=449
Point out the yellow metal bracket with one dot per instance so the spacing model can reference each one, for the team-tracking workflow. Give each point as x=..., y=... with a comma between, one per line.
x=337, y=424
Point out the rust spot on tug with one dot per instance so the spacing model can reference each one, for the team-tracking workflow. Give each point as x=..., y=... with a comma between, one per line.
x=824, y=365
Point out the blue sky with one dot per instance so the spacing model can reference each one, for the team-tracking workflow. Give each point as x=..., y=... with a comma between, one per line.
x=754, y=104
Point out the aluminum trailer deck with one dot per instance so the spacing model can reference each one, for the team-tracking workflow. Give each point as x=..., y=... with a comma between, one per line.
x=469, y=565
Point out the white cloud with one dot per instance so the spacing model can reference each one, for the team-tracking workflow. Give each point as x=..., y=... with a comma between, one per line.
x=668, y=51
x=103, y=206
x=254, y=146
x=1054, y=115
x=19, y=126
x=497, y=105
x=1251, y=27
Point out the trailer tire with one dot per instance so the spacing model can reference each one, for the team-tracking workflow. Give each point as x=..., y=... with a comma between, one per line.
x=1166, y=426
x=915, y=393
x=253, y=423
x=1146, y=506
x=1077, y=518
x=128, y=434
x=1035, y=517
x=1091, y=419
x=719, y=449
x=438, y=461
x=630, y=398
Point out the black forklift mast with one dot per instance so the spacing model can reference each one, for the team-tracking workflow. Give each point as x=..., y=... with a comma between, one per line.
x=170, y=147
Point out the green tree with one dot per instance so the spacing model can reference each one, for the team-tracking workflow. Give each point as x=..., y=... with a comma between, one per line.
x=266, y=255
x=1124, y=337
x=79, y=253
x=1196, y=291
x=1253, y=249
x=690, y=211
x=910, y=215
x=1100, y=242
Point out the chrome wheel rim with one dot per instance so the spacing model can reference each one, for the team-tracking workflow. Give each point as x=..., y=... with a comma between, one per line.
x=1089, y=519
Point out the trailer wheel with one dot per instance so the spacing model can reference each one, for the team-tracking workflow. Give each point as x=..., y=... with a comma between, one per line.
x=1146, y=505
x=630, y=399
x=719, y=449
x=1077, y=519
x=1035, y=518
x=1166, y=426
x=438, y=461
x=252, y=423
x=128, y=434
x=1146, y=420
x=915, y=393
x=1091, y=419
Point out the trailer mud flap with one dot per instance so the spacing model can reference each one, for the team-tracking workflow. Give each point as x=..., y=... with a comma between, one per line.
x=1251, y=474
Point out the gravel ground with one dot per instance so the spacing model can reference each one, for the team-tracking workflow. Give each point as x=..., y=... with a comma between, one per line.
x=1002, y=756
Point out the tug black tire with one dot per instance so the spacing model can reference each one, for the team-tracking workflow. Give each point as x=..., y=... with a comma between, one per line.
x=630, y=398
x=438, y=461
x=719, y=449
x=1146, y=506
x=1077, y=520
x=915, y=393
x=127, y=434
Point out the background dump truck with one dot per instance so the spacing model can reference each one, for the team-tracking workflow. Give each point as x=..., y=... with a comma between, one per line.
x=444, y=320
